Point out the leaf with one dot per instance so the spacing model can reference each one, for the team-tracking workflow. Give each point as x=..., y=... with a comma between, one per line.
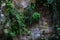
x=36, y=16
x=12, y=34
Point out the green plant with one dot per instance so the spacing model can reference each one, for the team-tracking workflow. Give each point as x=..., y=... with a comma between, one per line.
x=15, y=19
x=36, y=16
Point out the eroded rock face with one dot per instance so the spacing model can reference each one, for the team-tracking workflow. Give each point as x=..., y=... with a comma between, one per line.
x=24, y=38
x=35, y=32
x=21, y=3
x=44, y=25
x=2, y=18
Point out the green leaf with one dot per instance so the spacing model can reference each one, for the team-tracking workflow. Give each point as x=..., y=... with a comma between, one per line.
x=36, y=16
x=12, y=34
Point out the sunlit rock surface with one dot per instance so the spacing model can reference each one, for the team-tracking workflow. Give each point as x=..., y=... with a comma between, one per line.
x=35, y=32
